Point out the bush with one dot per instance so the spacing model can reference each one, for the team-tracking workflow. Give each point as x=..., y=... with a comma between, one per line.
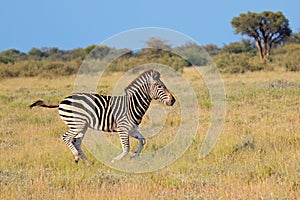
x=43, y=68
x=288, y=57
x=232, y=63
x=292, y=63
x=255, y=64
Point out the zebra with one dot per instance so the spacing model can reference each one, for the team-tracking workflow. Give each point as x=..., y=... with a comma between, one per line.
x=121, y=114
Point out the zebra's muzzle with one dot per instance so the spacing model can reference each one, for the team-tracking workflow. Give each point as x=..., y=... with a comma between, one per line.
x=171, y=100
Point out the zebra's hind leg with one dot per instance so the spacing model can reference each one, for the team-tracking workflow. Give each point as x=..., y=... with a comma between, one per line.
x=124, y=137
x=68, y=139
x=142, y=141
x=73, y=139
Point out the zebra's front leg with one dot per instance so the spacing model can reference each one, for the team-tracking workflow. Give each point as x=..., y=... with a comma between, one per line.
x=124, y=137
x=142, y=141
x=77, y=143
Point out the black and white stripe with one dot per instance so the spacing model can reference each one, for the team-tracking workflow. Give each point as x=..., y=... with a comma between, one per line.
x=121, y=114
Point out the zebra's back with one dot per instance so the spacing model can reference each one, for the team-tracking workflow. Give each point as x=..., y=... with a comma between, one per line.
x=93, y=110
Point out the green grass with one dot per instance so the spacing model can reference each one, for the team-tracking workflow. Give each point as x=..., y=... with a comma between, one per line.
x=256, y=157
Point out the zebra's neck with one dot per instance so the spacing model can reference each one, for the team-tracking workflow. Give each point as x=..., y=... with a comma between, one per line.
x=139, y=102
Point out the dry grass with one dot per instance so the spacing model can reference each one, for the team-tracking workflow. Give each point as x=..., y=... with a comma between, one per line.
x=256, y=157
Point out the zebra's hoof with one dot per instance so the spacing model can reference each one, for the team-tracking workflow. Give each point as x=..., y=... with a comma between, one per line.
x=134, y=155
x=76, y=160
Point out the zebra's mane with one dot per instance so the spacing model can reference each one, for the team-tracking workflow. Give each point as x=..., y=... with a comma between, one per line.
x=144, y=77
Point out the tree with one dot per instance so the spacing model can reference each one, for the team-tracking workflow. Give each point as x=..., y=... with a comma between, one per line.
x=266, y=28
x=194, y=53
x=36, y=53
x=212, y=49
x=238, y=47
x=98, y=52
x=157, y=43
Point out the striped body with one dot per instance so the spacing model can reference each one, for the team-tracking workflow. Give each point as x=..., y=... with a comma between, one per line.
x=104, y=113
x=92, y=109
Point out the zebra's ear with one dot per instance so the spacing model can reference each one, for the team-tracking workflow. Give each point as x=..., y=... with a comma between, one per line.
x=155, y=75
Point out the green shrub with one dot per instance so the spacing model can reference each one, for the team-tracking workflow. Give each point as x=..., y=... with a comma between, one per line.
x=232, y=63
x=288, y=57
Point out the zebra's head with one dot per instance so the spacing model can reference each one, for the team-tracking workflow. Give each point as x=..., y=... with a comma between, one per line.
x=158, y=90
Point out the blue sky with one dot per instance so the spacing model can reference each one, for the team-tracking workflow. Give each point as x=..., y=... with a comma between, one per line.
x=69, y=24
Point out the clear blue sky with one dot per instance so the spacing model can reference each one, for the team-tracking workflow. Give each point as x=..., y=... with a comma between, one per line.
x=69, y=24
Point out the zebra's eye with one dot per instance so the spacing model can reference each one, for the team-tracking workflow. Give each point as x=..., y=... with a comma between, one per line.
x=159, y=87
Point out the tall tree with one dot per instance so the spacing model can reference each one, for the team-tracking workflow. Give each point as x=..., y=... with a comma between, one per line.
x=266, y=28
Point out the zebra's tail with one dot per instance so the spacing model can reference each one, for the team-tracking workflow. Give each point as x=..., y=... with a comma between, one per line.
x=43, y=104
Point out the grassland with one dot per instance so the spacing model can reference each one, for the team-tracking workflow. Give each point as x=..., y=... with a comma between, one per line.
x=257, y=155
